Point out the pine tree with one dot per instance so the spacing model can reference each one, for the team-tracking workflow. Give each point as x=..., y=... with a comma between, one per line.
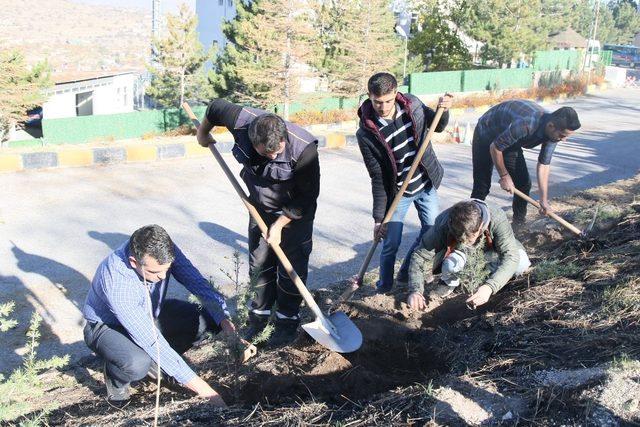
x=508, y=27
x=359, y=40
x=268, y=51
x=21, y=88
x=178, y=71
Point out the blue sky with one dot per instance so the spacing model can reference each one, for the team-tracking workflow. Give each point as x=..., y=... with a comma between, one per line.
x=166, y=5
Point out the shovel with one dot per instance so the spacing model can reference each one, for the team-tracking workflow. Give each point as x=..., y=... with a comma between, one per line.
x=357, y=281
x=575, y=230
x=336, y=332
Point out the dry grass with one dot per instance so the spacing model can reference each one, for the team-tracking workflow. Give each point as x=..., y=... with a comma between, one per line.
x=305, y=118
x=571, y=88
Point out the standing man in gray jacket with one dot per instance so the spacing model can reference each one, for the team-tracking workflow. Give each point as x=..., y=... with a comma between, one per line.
x=282, y=174
x=441, y=251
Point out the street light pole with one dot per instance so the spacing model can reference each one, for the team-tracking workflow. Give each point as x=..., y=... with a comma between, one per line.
x=405, y=36
x=404, y=69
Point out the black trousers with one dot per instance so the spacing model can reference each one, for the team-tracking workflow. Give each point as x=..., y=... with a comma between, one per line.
x=272, y=283
x=483, y=169
x=180, y=322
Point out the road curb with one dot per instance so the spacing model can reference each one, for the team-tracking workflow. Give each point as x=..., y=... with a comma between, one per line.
x=131, y=153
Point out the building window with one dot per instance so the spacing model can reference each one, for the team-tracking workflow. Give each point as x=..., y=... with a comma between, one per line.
x=84, y=104
x=220, y=2
x=124, y=96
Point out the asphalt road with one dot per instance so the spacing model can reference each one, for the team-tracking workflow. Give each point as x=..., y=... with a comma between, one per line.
x=57, y=225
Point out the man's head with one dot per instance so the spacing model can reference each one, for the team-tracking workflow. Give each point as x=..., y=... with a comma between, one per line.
x=465, y=222
x=382, y=88
x=564, y=121
x=268, y=135
x=151, y=252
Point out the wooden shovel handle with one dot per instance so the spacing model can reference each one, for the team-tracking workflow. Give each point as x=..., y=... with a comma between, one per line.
x=563, y=222
x=306, y=295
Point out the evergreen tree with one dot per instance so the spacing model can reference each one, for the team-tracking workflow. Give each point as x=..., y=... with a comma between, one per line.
x=438, y=44
x=21, y=88
x=626, y=21
x=508, y=27
x=358, y=40
x=178, y=71
x=269, y=50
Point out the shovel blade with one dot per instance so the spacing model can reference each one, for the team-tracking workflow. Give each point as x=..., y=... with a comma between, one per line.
x=347, y=339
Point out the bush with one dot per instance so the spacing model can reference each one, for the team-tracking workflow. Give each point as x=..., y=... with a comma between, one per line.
x=25, y=382
x=551, y=269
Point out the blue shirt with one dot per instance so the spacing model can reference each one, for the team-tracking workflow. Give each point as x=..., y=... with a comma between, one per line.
x=118, y=298
x=517, y=123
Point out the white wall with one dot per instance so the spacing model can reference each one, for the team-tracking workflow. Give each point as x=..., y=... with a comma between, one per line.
x=111, y=95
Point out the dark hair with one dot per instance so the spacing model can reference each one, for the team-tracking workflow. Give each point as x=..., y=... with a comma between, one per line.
x=154, y=241
x=382, y=84
x=465, y=219
x=565, y=118
x=268, y=130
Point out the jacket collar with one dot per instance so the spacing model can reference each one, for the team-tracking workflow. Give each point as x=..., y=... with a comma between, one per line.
x=368, y=115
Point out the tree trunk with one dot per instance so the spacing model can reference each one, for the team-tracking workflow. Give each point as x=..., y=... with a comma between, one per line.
x=182, y=72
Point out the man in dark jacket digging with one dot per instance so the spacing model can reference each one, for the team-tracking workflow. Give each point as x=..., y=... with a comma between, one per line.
x=443, y=250
x=499, y=137
x=392, y=127
x=282, y=173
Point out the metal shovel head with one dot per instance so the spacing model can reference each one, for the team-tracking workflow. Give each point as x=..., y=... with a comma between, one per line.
x=346, y=337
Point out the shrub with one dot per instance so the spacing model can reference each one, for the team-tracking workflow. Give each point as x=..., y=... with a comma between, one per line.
x=25, y=382
x=551, y=269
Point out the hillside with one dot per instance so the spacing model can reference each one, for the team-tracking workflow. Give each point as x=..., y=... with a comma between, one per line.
x=76, y=37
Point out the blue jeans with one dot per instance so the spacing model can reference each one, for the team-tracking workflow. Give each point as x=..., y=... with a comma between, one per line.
x=426, y=202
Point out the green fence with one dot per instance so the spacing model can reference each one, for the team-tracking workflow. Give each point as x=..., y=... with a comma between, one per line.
x=547, y=60
x=436, y=82
x=75, y=130
x=497, y=79
x=606, y=56
x=469, y=80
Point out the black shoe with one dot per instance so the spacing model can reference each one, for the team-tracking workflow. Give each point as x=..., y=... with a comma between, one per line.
x=116, y=396
x=257, y=323
x=284, y=333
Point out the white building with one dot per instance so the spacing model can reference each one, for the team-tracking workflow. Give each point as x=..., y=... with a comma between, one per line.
x=211, y=14
x=91, y=93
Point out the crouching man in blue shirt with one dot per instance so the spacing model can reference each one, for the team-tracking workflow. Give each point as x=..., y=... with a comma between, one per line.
x=126, y=300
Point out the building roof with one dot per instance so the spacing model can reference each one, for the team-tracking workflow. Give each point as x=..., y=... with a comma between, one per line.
x=78, y=76
x=567, y=39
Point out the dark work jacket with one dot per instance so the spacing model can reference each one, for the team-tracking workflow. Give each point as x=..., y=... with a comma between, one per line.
x=378, y=155
x=288, y=184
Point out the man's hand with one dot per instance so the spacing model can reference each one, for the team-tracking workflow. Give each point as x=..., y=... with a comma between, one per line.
x=204, y=390
x=481, y=296
x=217, y=401
x=545, y=207
x=227, y=327
x=274, y=236
x=206, y=140
x=379, y=231
x=417, y=301
x=506, y=183
x=445, y=101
